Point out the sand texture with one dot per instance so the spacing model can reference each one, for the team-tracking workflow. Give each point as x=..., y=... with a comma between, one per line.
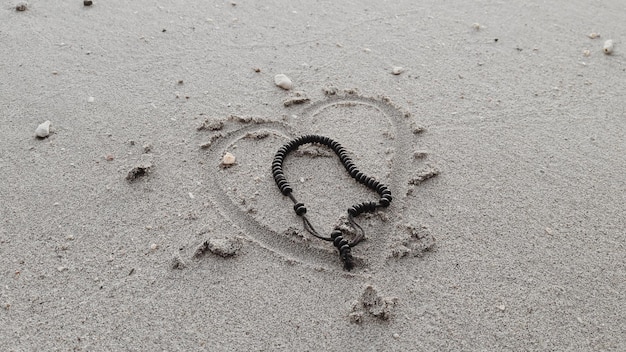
x=145, y=216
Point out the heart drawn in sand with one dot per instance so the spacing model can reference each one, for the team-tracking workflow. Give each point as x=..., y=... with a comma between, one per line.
x=378, y=137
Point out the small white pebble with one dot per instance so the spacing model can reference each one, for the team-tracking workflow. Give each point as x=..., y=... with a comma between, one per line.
x=397, y=70
x=608, y=47
x=61, y=269
x=301, y=179
x=502, y=307
x=476, y=26
x=396, y=336
x=191, y=195
x=154, y=246
x=43, y=130
x=283, y=81
x=91, y=99
x=586, y=53
x=228, y=159
x=594, y=35
x=367, y=50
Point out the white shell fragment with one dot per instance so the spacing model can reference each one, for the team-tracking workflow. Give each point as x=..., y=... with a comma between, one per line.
x=608, y=47
x=228, y=160
x=397, y=70
x=283, y=81
x=43, y=130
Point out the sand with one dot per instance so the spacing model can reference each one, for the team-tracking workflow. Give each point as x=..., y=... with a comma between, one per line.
x=502, y=140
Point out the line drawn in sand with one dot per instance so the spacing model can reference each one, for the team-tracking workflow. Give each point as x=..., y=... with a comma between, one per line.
x=378, y=136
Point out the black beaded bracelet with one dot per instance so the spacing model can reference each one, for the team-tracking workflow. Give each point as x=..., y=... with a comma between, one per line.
x=343, y=245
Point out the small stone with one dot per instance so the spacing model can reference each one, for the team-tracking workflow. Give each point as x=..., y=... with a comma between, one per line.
x=283, y=81
x=397, y=70
x=594, y=35
x=21, y=6
x=91, y=99
x=147, y=148
x=154, y=247
x=396, y=336
x=502, y=307
x=43, y=130
x=109, y=157
x=87, y=2
x=257, y=70
x=476, y=26
x=61, y=269
x=586, y=53
x=228, y=160
x=608, y=47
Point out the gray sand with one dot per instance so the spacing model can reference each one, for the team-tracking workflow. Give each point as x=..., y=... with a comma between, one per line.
x=506, y=231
